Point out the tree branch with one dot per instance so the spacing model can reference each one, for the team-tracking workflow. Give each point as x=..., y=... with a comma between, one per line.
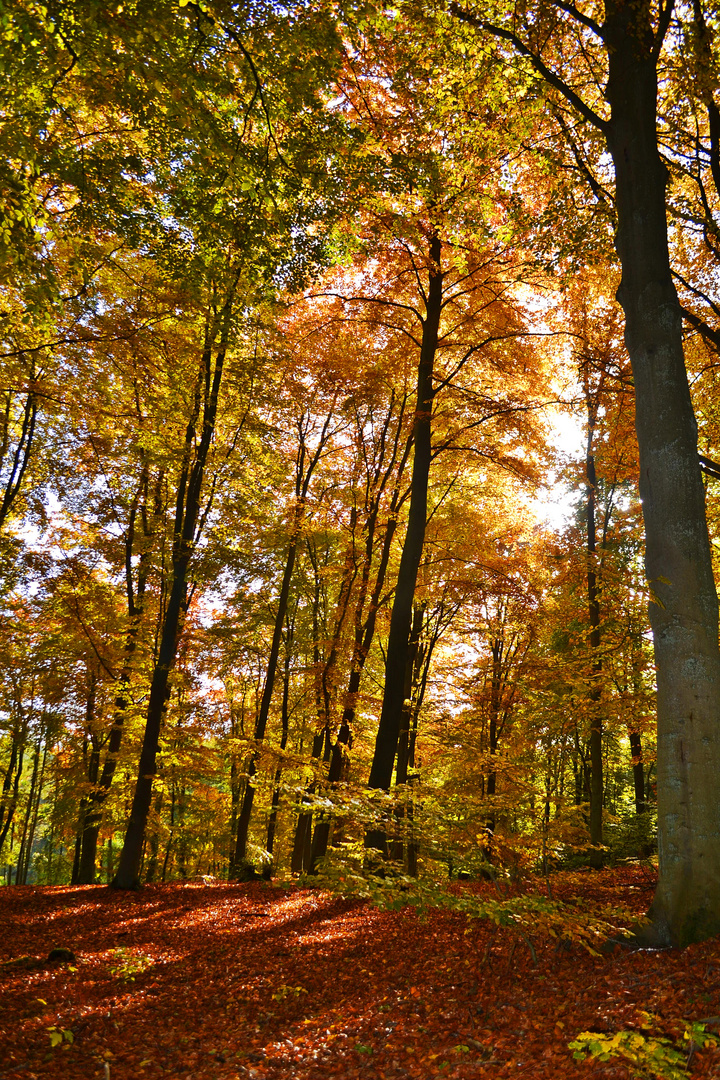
x=550, y=77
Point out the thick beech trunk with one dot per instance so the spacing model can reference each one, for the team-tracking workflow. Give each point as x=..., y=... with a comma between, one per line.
x=401, y=616
x=684, y=607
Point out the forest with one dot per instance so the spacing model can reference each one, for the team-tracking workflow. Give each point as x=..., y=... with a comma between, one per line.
x=359, y=475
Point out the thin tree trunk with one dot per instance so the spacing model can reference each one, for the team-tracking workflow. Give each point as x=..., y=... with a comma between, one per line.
x=302, y=846
x=186, y=520
x=401, y=617
x=35, y=812
x=24, y=854
x=155, y=839
x=595, y=695
x=23, y=448
x=303, y=477
x=638, y=772
x=364, y=634
x=92, y=814
x=285, y=723
x=243, y=821
x=397, y=847
x=11, y=782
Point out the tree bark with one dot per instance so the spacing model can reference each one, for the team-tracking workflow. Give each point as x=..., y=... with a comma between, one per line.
x=285, y=725
x=11, y=782
x=638, y=772
x=20, y=457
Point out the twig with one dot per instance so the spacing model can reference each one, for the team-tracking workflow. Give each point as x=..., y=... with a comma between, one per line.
x=530, y=946
x=488, y=947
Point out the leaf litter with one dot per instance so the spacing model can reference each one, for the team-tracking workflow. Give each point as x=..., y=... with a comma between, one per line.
x=226, y=982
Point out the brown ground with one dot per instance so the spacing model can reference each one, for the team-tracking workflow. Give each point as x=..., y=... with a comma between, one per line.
x=222, y=982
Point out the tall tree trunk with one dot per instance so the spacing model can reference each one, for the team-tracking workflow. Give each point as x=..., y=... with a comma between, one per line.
x=24, y=853
x=17, y=459
x=243, y=821
x=401, y=616
x=684, y=604
x=638, y=772
x=36, y=807
x=397, y=847
x=302, y=846
x=151, y=872
x=684, y=607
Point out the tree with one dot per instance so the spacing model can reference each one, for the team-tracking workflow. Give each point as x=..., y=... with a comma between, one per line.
x=684, y=611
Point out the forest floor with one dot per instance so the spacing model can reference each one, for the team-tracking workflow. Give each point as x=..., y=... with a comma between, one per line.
x=221, y=982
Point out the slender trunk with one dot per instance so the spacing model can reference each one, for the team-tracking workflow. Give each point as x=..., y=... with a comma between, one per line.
x=11, y=782
x=154, y=839
x=595, y=695
x=92, y=816
x=302, y=854
x=186, y=521
x=243, y=821
x=285, y=722
x=496, y=650
x=638, y=772
x=401, y=616
x=171, y=835
x=23, y=448
x=684, y=608
x=35, y=813
x=303, y=477
x=397, y=847
x=24, y=854
x=636, y=753
x=365, y=624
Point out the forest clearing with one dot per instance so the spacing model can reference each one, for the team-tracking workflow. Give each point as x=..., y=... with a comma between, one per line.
x=218, y=981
